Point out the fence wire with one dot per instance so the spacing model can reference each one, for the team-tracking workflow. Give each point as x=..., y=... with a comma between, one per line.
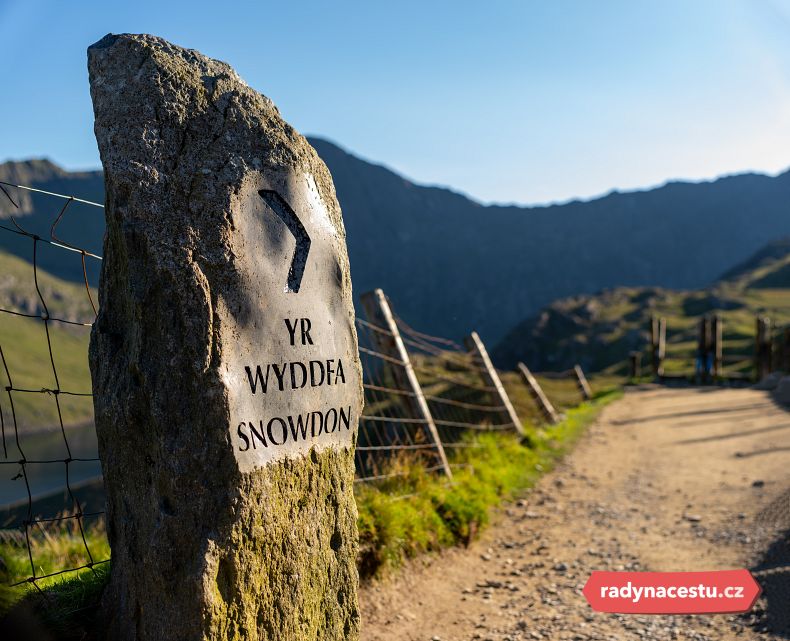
x=29, y=392
x=456, y=386
x=449, y=385
x=389, y=433
x=561, y=387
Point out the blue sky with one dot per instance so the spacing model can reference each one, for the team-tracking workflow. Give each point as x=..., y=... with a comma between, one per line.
x=519, y=101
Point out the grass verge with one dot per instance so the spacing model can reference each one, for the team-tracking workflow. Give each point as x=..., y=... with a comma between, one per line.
x=419, y=512
x=398, y=519
x=64, y=606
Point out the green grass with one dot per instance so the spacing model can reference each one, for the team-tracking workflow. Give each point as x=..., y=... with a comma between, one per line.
x=399, y=519
x=64, y=611
x=64, y=604
x=53, y=546
x=64, y=299
x=563, y=393
x=26, y=351
x=417, y=512
x=739, y=326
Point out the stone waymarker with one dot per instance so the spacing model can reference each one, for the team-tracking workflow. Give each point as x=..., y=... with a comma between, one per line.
x=226, y=377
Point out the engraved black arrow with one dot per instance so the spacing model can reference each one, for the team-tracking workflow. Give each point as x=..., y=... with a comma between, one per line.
x=288, y=216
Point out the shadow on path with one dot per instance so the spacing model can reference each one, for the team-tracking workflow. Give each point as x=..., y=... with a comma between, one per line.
x=724, y=437
x=695, y=412
x=770, y=450
x=772, y=571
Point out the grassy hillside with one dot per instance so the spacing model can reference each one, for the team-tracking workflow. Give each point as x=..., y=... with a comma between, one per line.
x=599, y=331
x=26, y=351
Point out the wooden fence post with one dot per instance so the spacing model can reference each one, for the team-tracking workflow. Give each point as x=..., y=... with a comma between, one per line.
x=762, y=347
x=653, y=344
x=581, y=380
x=768, y=362
x=717, y=332
x=758, y=335
x=787, y=350
x=635, y=362
x=703, y=364
x=658, y=343
x=543, y=402
x=378, y=311
x=475, y=345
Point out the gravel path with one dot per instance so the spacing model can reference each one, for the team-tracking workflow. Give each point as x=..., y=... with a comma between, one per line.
x=667, y=479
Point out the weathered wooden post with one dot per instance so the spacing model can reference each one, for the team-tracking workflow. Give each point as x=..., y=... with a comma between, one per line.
x=717, y=349
x=758, y=338
x=540, y=398
x=787, y=349
x=762, y=347
x=581, y=382
x=226, y=376
x=635, y=364
x=378, y=311
x=475, y=345
x=653, y=344
x=658, y=342
x=704, y=358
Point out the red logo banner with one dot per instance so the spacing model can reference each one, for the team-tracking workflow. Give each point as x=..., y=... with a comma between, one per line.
x=720, y=591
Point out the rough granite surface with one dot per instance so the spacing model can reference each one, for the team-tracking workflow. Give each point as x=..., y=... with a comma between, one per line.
x=200, y=548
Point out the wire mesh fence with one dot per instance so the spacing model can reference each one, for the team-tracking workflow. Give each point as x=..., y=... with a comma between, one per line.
x=424, y=396
x=562, y=387
x=459, y=397
x=43, y=398
x=389, y=428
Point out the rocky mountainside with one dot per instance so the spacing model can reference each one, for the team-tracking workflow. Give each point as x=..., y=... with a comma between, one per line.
x=451, y=264
x=763, y=259
x=599, y=331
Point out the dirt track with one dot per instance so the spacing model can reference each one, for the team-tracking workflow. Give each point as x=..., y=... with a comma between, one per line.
x=668, y=479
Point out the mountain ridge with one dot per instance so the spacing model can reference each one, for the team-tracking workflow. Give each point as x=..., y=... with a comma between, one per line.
x=38, y=168
x=451, y=264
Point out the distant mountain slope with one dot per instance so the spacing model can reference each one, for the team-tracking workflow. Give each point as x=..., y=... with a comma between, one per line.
x=26, y=346
x=450, y=264
x=776, y=250
x=81, y=225
x=599, y=331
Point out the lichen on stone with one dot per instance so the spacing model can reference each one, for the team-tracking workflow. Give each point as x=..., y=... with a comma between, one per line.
x=202, y=547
